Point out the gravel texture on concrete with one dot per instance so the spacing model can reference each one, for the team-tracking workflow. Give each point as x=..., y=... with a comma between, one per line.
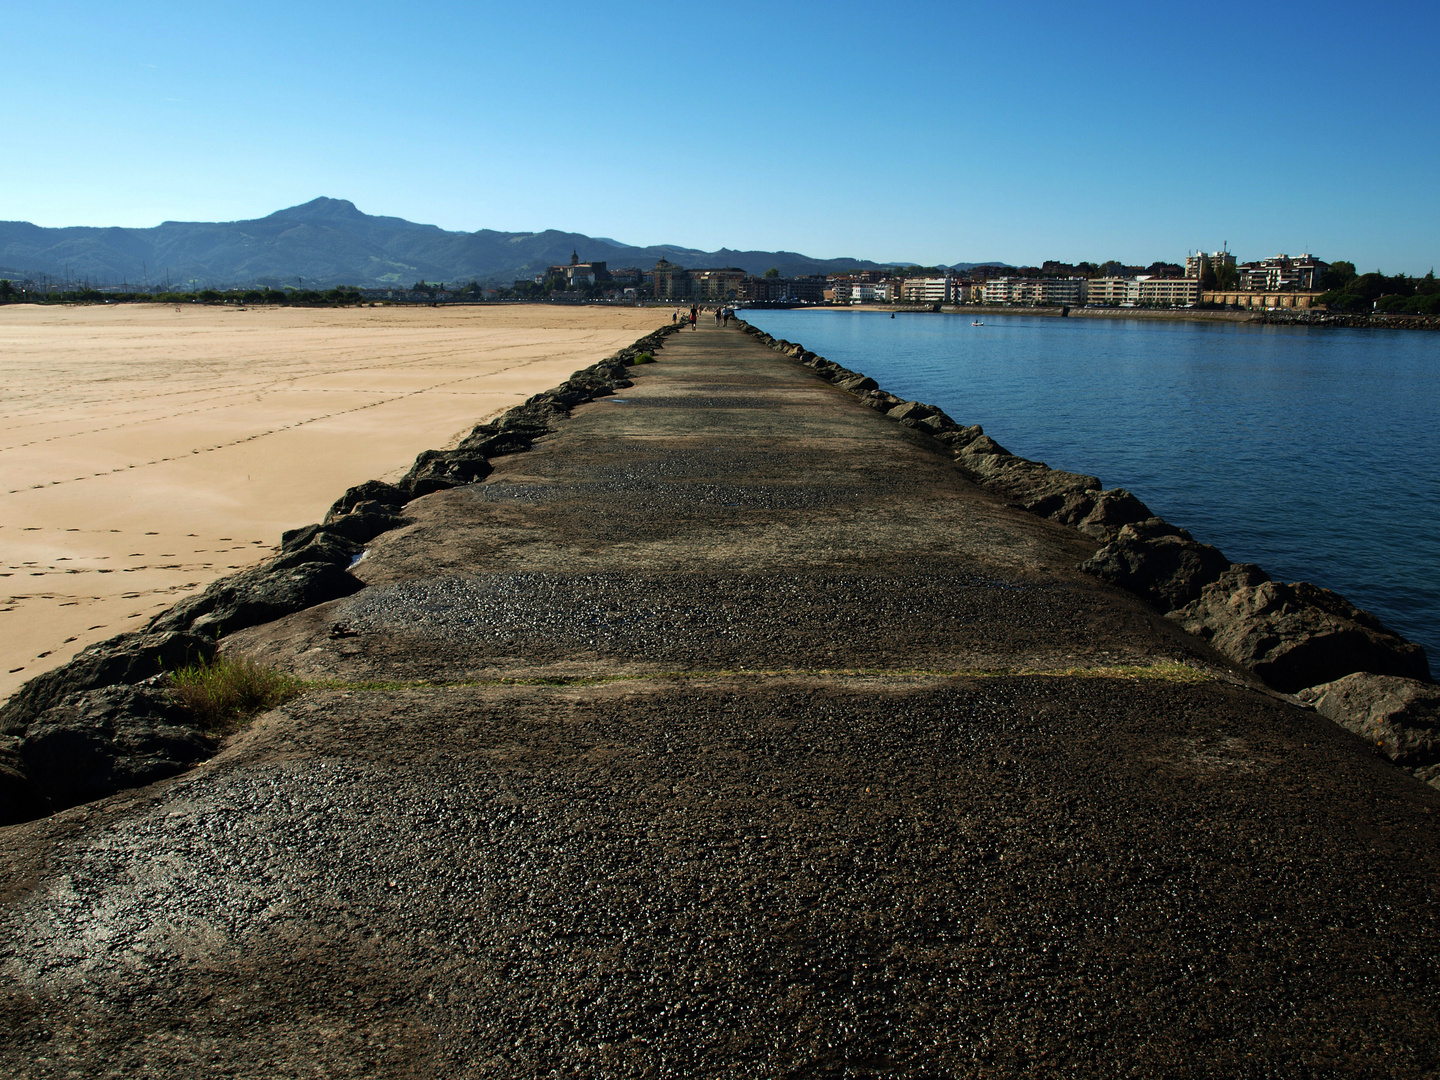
x=731, y=731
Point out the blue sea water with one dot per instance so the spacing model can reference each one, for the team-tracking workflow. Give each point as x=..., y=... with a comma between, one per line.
x=1310, y=451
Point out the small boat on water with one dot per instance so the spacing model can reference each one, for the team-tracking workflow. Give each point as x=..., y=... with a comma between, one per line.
x=977, y=322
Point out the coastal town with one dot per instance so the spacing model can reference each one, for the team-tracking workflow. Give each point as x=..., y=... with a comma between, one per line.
x=1301, y=286
x=1205, y=280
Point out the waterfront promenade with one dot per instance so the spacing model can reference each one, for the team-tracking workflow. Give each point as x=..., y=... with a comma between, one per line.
x=728, y=731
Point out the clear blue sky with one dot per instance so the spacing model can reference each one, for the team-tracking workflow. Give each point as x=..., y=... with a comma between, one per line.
x=939, y=132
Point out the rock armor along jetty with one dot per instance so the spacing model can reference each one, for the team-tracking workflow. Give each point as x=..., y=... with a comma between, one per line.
x=728, y=716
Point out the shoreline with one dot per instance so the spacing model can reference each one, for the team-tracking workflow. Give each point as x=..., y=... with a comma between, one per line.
x=150, y=452
x=1309, y=320
x=1037, y=312
x=1164, y=314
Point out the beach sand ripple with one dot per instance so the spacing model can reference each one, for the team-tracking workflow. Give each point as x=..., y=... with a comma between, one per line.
x=146, y=451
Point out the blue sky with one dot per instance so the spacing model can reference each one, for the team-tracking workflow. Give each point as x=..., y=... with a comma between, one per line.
x=933, y=132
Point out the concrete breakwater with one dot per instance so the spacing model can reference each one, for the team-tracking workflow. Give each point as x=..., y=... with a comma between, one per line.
x=103, y=722
x=1300, y=638
x=731, y=729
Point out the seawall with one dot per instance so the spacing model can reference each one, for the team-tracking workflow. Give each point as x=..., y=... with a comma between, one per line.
x=701, y=717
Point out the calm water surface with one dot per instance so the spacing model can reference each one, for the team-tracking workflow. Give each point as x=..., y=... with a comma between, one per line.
x=1309, y=451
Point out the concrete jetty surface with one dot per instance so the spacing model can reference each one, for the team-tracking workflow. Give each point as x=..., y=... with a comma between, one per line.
x=730, y=731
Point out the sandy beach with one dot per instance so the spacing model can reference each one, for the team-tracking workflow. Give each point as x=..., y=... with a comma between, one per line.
x=147, y=450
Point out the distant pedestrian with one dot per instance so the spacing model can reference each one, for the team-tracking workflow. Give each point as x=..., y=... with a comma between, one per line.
x=694, y=314
x=674, y=316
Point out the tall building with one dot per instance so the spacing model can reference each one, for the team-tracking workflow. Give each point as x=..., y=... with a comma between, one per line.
x=1281, y=273
x=671, y=282
x=1197, y=264
x=719, y=284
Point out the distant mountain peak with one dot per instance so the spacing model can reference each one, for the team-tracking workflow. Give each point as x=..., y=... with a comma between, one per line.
x=332, y=242
x=322, y=209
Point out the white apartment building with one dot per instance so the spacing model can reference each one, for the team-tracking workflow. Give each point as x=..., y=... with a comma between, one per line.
x=868, y=292
x=1035, y=292
x=1177, y=292
x=926, y=290
x=1113, y=292
x=1131, y=292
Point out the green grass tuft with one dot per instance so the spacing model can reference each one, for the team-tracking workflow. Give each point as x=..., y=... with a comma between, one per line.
x=643, y=358
x=227, y=691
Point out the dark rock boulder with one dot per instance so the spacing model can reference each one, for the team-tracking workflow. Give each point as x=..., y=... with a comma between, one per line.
x=581, y=388
x=912, y=410
x=984, y=446
x=370, y=491
x=565, y=396
x=1296, y=635
x=364, y=522
x=17, y=801
x=1159, y=562
x=1110, y=511
x=489, y=443
x=1401, y=716
x=321, y=546
x=879, y=400
x=606, y=373
x=538, y=415
x=1101, y=514
x=294, y=539
x=101, y=741
x=958, y=438
x=128, y=658
x=983, y=459
x=518, y=428
x=856, y=381
x=935, y=424
x=1038, y=488
x=258, y=595
x=437, y=470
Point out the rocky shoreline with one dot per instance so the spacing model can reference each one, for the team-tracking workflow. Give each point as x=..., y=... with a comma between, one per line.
x=1378, y=321
x=1300, y=639
x=104, y=722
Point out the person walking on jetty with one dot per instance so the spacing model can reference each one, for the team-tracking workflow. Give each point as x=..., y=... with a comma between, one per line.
x=694, y=314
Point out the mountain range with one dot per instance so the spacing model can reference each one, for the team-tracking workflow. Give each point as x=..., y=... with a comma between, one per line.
x=328, y=242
